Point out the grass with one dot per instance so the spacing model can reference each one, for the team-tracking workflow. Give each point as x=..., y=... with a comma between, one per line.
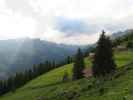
x=123, y=57
x=50, y=87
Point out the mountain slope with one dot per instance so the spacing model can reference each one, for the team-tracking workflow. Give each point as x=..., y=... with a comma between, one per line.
x=20, y=54
x=125, y=38
x=50, y=87
x=121, y=33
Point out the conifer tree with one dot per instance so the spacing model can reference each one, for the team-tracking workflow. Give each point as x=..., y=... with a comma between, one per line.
x=68, y=59
x=78, y=65
x=103, y=60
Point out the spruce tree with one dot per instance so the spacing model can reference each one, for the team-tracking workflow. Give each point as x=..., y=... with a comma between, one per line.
x=78, y=65
x=69, y=60
x=103, y=60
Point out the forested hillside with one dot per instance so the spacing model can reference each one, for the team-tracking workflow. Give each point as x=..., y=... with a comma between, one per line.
x=20, y=54
x=67, y=82
x=126, y=39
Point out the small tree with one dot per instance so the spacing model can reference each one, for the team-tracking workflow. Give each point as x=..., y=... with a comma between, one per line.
x=130, y=44
x=103, y=61
x=65, y=77
x=69, y=59
x=78, y=65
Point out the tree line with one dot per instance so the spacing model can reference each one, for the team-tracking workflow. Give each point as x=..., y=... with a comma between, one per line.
x=21, y=78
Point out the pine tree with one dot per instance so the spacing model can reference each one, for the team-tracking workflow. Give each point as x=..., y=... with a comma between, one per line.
x=78, y=66
x=103, y=60
x=69, y=60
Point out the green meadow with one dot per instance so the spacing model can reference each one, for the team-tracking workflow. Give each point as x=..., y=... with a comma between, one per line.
x=50, y=86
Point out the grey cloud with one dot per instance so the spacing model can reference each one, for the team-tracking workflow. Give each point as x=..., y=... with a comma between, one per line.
x=114, y=27
x=73, y=26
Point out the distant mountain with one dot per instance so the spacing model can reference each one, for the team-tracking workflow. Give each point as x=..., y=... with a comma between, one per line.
x=125, y=39
x=121, y=33
x=20, y=54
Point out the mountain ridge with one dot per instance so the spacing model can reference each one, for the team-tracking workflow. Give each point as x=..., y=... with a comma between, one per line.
x=20, y=54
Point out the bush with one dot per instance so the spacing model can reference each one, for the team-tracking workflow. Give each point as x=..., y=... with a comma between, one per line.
x=101, y=91
x=65, y=77
x=124, y=98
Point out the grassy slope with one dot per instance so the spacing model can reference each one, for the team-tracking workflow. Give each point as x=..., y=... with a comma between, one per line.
x=50, y=86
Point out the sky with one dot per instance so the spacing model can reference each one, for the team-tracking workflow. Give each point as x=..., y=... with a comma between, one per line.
x=64, y=21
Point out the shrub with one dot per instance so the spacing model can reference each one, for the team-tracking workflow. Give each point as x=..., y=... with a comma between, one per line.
x=65, y=77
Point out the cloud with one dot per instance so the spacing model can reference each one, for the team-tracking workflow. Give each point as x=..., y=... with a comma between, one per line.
x=27, y=9
x=21, y=6
x=15, y=26
x=71, y=26
x=64, y=20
